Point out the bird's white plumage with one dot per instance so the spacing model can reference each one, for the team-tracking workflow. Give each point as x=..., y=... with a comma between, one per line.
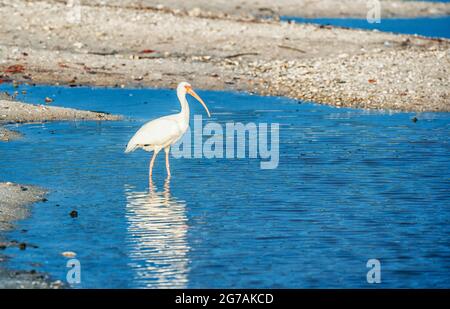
x=158, y=133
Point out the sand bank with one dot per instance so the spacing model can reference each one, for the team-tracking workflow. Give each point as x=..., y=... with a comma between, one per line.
x=127, y=46
x=17, y=112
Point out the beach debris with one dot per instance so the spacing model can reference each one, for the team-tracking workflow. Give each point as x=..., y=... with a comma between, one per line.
x=147, y=51
x=74, y=214
x=69, y=254
x=104, y=53
x=16, y=68
x=241, y=54
x=292, y=48
x=325, y=27
x=405, y=43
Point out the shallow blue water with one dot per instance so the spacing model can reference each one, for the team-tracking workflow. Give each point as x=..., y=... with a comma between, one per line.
x=351, y=185
x=428, y=26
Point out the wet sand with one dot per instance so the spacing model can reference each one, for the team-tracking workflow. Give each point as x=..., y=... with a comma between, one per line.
x=126, y=45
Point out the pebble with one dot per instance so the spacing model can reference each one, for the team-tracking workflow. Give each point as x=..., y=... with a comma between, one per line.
x=78, y=45
x=69, y=254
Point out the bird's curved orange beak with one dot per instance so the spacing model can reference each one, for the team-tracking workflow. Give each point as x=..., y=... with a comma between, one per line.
x=192, y=93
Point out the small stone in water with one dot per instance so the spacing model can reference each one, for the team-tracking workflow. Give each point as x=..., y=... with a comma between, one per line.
x=74, y=213
x=69, y=254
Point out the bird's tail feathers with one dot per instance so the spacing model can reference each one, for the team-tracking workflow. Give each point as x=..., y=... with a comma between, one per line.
x=130, y=147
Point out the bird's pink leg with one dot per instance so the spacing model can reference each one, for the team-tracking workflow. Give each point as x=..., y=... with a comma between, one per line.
x=167, y=150
x=152, y=162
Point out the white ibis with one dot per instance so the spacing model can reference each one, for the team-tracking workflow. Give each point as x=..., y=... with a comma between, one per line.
x=163, y=132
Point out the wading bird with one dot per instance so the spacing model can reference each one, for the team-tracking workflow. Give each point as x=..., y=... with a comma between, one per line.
x=163, y=132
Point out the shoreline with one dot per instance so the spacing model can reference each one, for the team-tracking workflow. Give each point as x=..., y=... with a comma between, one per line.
x=15, y=199
x=15, y=203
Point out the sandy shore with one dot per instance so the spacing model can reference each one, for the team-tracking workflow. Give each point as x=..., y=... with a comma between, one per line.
x=115, y=46
x=17, y=112
x=14, y=205
x=8, y=135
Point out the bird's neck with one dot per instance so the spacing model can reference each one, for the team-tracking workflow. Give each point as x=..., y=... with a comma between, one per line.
x=184, y=106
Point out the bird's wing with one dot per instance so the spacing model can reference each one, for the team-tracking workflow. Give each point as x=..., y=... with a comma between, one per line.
x=157, y=132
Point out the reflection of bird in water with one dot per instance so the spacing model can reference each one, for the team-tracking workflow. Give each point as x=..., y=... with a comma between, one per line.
x=157, y=228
